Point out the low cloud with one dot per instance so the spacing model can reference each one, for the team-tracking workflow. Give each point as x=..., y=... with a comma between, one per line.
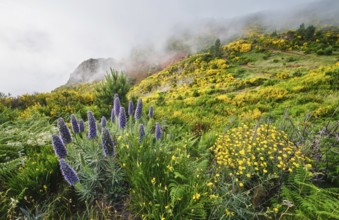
x=42, y=42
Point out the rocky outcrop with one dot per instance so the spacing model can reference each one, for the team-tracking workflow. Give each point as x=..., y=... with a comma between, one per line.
x=91, y=70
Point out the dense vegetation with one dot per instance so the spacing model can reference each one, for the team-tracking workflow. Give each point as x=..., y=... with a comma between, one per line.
x=244, y=130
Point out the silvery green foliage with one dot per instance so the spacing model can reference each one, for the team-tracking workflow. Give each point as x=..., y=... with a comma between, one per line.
x=92, y=126
x=75, y=125
x=130, y=108
x=158, y=132
x=64, y=131
x=81, y=125
x=59, y=147
x=122, y=118
x=68, y=173
x=107, y=143
x=138, y=110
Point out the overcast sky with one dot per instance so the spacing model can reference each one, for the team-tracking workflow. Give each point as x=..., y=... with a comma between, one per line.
x=43, y=41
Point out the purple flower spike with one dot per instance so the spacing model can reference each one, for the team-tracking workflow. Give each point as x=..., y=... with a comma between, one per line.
x=158, y=131
x=64, y=131
x=122, y=118
x=107, y=143
x=81, y=125
x=103, y=122
x=59, y=147
x=68, y=172
x=141, y=133
x=138, y=110
x=116, y=106
x=92, y=126
x=151, y=112
x=130, y=108
x=112, y=116
x=75, y=125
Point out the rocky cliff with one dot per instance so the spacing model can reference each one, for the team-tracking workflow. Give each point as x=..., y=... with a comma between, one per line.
x=91, y=70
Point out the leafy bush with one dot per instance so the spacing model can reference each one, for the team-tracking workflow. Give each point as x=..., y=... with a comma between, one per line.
x=115, y=83
x=246, y=153
x=305, y=200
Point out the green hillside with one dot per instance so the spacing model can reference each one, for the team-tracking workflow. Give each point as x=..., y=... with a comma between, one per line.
x=245, y=130
x=249, y=79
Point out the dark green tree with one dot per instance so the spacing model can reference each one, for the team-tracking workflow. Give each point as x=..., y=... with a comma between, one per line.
x=115, y=82
x=216, y=50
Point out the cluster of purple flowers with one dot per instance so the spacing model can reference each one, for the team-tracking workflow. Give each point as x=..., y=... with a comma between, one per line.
x=118, y=113
x=59, y=143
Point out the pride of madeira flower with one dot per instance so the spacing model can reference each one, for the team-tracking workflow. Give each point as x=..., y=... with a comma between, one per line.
x=81, y=125
x=112, y=116
x=130, y=108
x=141, y=133
x=92, y=126
x=68, y=173
x=103, y=122
x=64, y=131
x=59, y=147
x=107, y=143
x=116, y=106
x=138, y=110
x=122, y=118
x=75, y=125
x=151, y=112
x=158, y=131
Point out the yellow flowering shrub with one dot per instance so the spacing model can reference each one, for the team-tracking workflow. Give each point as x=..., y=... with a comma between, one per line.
x=245, y=152
x=241, y=46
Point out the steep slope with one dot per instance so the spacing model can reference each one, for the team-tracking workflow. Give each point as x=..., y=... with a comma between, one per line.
x=263, y=75
x=91, y=70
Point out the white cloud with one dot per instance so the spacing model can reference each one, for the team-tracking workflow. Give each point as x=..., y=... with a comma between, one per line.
x=42, y=41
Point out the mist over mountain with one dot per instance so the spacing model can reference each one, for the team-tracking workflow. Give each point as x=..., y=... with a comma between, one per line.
x=91, y=70
x=188, y=38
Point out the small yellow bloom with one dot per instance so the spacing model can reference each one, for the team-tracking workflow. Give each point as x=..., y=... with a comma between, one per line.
x=309, y=166
x=209, y=184
x=196, y=196
x=153, y=181
x=241, y=184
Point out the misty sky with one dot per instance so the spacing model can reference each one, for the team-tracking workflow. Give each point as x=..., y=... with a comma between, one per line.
x=43, y=41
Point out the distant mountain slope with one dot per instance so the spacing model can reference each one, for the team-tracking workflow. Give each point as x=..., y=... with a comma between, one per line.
x=146, y=60
x=263, y=75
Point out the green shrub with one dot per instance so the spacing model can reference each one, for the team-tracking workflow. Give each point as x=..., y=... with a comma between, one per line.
x=115, y=83
x=304, y=200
